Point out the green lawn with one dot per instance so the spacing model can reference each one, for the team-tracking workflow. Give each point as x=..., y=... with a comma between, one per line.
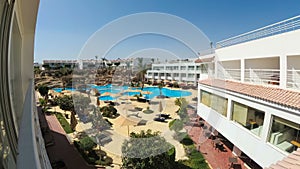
x=196, y=159
x=64, y=123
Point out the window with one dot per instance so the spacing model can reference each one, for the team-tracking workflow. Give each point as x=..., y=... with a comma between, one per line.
x=285, y=134
x=191, y=67
x=205, y=98
x=191, y=75
x=219, y=104
x=182, y=67
x=168, y=67
x=8, y=135
x=250, y=118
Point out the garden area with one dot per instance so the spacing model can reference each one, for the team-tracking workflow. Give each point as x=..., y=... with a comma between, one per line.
x=63, y=122
x=89, y=151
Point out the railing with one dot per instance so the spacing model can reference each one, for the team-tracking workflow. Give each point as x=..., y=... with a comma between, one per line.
x=234, y=74
x=277, y=28
x=293, y=78
x=31, y=149
x=263, y=76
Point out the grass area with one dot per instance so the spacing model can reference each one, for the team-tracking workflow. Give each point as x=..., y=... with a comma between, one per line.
x=196, y=159
x=64, y=123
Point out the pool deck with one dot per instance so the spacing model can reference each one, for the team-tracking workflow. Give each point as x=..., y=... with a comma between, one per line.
x=119, y=131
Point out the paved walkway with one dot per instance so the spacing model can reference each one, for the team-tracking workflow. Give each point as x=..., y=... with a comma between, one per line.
x=217, y=159
x=62, y=149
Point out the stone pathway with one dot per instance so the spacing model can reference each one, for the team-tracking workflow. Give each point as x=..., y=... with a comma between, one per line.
x=63, y=149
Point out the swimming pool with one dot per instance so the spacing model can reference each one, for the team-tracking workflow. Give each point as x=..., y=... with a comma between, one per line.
x=59, y=90
x=107, y=98
x=153, y=91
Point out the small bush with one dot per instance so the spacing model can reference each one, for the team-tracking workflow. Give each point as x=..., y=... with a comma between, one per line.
x=176, y=125
x=148, y=111
x=187, y=141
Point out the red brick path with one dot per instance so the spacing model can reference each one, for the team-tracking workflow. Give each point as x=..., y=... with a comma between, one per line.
x=216, y=159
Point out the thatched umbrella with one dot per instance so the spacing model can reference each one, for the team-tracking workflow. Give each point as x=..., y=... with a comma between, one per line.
x=128, y=122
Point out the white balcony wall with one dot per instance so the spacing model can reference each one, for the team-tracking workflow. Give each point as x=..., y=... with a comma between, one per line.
x=265, y=47
x=293, y=62
x=262, y=63
x=232, y=64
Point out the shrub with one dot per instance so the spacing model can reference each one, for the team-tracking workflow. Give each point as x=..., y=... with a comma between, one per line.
x=176, y=125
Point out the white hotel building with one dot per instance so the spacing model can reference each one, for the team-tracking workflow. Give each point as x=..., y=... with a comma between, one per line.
x=180, y=70
x=21, y=142
x=253, y=96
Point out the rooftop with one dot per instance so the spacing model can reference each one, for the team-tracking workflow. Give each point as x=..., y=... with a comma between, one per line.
x=271, y=94
x=289, y=162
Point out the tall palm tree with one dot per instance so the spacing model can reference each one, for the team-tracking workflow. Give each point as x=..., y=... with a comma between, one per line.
x=142, y=70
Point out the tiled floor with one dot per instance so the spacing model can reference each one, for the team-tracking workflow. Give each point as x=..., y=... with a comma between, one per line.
x=216, y=158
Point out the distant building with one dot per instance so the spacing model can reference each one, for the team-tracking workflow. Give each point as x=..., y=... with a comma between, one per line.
x=57, y=64
x=187, y=70
x=37, y=65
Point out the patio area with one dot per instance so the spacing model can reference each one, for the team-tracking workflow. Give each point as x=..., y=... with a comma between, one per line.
x=216, y=149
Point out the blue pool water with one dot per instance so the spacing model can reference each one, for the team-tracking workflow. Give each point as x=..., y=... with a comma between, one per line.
x=154, y=91
x=107, y=98
x=59, y=90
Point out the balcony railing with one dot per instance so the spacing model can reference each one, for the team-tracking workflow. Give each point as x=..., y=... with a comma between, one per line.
x=262, y=76
x=277, y=28
x=31, y=149
x=233, y=74
x=256, y=76
x=293, y=78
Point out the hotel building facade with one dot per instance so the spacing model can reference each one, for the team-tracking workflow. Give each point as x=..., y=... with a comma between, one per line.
x=21, y=141
x=180, y=70
x=253, y=96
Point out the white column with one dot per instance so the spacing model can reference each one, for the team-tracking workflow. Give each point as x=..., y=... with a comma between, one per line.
x=216, y=69
x=180, y=78
x=283, y=71
x=229, y=109
x=242, y=70
x=267, y=124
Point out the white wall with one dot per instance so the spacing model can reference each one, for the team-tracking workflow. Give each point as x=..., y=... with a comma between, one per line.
x=262, y=63
x=293, y=62
x=257, y=148
x=234, y=64
x=277, y=45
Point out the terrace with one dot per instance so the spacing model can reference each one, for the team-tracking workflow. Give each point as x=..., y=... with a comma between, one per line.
x=263, y=71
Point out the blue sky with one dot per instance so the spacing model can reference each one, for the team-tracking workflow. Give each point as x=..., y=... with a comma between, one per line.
x=64, y=26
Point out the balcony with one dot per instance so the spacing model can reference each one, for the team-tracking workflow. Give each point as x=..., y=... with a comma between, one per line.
x=257, y=76
x=293, y=78
x=31, y=148
x=262, y=76
x=270, y=30
x=232, y=74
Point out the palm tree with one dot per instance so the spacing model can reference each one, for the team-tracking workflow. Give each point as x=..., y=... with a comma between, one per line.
x=142, y=70
x=160, y=86
x=43, y=90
